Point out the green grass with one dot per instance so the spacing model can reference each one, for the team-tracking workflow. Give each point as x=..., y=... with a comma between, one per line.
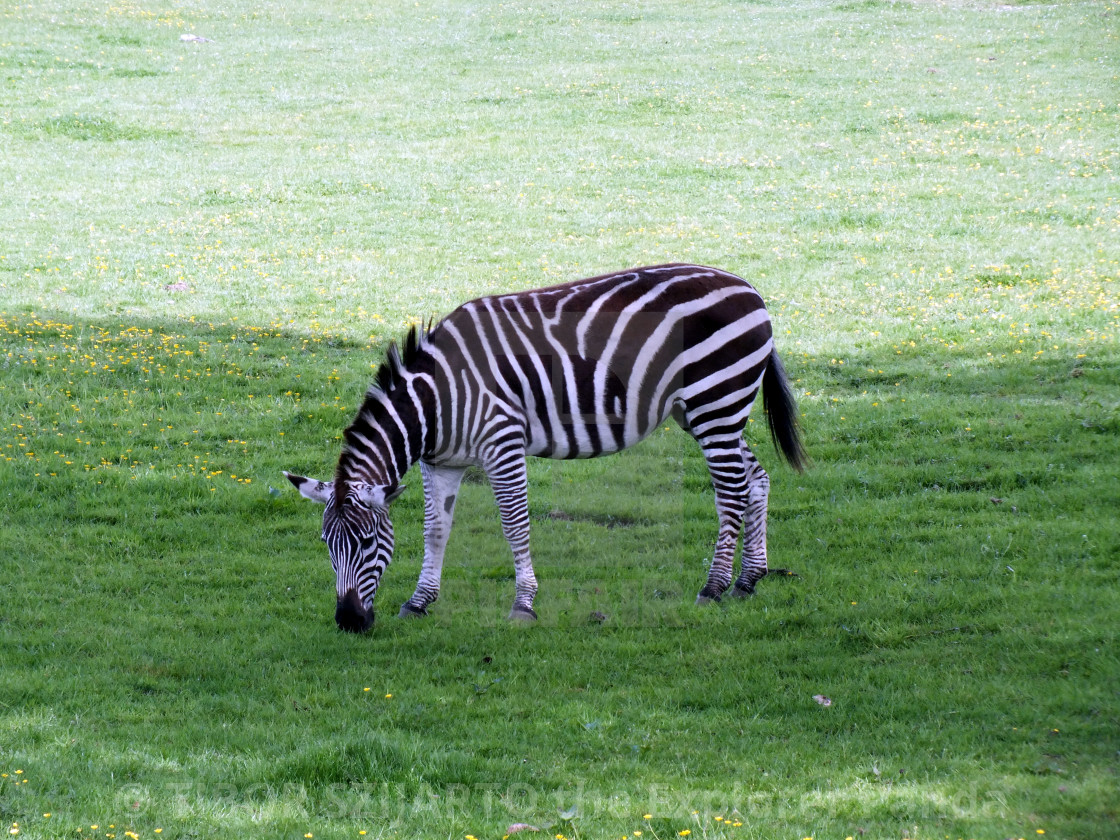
x=205, y=247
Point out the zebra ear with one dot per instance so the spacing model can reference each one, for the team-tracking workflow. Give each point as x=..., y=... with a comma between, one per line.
x=375, y=496
x=317, y=491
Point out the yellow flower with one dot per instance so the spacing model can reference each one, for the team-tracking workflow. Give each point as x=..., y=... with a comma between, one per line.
x=684, y=833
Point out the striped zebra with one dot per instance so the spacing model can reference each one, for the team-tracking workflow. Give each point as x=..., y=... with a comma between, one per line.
x=571, y=371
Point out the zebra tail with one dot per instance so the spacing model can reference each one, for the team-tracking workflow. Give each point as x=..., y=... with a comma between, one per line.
x=781, y=413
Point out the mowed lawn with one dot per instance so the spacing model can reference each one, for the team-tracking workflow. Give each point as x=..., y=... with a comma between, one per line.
x=215, y=216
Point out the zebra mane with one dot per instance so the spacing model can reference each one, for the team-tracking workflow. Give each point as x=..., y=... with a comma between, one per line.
x=398, y=360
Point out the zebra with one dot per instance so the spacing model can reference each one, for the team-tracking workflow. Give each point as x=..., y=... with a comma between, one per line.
x=576, y=370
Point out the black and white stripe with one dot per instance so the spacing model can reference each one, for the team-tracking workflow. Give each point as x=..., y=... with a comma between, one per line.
x=572, y=371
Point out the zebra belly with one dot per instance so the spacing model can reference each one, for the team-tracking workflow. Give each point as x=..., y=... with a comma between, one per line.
x=589, y=434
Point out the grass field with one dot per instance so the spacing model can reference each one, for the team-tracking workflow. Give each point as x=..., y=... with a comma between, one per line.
x=205, y=247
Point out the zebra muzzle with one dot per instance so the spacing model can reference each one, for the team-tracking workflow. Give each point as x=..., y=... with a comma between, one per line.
x=352, y=615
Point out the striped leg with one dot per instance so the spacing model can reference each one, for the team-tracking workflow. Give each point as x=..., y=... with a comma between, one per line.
x=729, y=479
x=754, y=527
x=510, y=482
x=441, y=485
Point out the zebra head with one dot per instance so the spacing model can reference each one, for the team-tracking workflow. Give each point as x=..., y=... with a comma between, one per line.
x=359, y=537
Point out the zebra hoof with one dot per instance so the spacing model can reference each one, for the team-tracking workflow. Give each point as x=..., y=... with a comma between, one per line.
x=746, y=589
x=409, y=611
x=703, y=599
x=523, y=615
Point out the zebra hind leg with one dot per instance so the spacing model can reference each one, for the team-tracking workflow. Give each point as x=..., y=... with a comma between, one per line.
x=729, y=479
x=510, y=483
x=754, y=567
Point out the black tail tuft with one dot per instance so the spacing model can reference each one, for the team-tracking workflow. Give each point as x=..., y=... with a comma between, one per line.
x=781, y=413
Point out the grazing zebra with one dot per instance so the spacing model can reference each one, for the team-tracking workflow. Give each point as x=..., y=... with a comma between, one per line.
x=570, y=371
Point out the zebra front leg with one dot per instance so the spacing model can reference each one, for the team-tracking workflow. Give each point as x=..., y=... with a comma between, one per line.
x=729, y=479
x=754, y=527
x=510, y=482
x=441, y=487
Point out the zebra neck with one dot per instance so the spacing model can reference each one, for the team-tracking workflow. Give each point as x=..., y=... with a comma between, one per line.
x=389, y=435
